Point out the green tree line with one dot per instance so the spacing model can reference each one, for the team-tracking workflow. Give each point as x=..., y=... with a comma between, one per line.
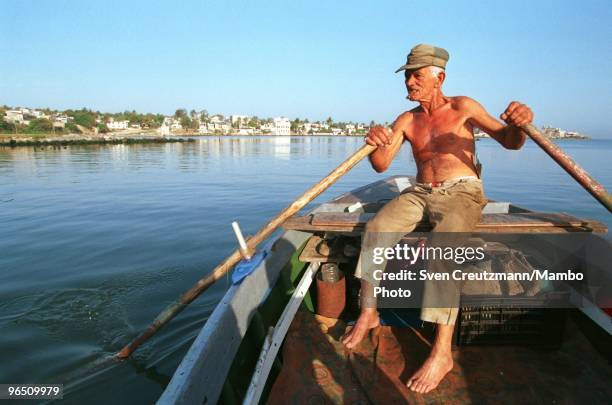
x=90, y=120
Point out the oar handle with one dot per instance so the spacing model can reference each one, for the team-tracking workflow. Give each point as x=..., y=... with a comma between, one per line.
x=570, y=166
x=201, y=285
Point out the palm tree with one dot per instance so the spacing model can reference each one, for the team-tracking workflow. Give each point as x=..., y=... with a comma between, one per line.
x=295, y=125
x=204, y=116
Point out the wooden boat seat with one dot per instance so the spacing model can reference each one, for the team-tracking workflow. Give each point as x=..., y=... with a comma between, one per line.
x=521, y=222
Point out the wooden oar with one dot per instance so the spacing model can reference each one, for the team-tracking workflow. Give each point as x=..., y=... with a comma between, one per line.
x=173, y=309
x=590, y=184
x=578, y=173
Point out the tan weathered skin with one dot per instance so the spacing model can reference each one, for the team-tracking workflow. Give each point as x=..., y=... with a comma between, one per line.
x=441, y=133
x=441, y=130
x=442, y=144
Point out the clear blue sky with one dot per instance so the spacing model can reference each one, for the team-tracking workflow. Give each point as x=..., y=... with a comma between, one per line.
x=306, y=59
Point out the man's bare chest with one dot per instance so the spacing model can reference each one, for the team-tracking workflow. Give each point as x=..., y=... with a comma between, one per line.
x=440, y=134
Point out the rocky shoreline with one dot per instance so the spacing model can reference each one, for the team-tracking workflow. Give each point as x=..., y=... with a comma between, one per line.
x=117, y=139
x=142, y=138
x=75, y=139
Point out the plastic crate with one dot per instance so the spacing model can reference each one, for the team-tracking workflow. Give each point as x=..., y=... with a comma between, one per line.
x=511, y=321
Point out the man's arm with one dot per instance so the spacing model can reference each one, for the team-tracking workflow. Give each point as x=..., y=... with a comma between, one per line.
x=510, y=136
x=388, y=144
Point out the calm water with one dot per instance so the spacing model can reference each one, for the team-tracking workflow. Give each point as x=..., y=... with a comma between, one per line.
x=95, y=241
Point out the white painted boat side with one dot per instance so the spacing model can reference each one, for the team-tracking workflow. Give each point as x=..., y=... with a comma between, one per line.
x=200, y=377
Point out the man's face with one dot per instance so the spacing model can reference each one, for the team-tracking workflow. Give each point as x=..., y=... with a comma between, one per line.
x=420, y=84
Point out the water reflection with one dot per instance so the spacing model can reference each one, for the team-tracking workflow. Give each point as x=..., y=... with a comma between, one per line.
x=116, y=232
x=140, y=155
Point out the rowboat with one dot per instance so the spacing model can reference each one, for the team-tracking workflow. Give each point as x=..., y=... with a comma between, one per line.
x=264, y=342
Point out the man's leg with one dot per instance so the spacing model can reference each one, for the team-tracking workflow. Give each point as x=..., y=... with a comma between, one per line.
x=454, y=213
x=390, y=224
x=368, y=317
x=437, y=365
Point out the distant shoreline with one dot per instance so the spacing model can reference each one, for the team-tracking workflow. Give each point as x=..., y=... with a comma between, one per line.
x=117, y=138
x=82, y=139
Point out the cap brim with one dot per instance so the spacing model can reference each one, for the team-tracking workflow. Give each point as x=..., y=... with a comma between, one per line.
x=412, y=67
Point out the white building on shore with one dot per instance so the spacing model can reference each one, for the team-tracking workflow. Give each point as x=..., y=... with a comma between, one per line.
x=241, y=120
x=218, y=123
x=117, y=125
x=164, y=130
x=62, y=118
x=14, y=116
x=281, y=126
x=38, y=114
x=203, y=129
x=245, y=131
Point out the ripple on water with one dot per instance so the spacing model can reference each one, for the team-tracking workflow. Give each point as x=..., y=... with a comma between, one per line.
x=93, y=315
x=84, y=322
x=95, y=241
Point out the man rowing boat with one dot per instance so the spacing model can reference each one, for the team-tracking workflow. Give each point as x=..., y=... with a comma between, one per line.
x=448, y=191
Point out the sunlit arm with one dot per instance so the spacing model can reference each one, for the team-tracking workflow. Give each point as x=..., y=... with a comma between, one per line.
x=382, y=157
x=509, y=136
x=388, y=143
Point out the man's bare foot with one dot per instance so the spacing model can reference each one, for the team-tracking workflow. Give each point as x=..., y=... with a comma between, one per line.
x=368, y=319
x=431, y=372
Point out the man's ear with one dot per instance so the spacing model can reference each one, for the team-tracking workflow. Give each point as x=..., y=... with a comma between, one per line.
x=441, y=77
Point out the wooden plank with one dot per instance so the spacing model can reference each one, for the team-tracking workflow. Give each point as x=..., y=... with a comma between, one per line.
x=516, y=222
x=273, y=342
x=202, y=372
x=531, y=219
x=341, y=218
x=311, y=253
x=520, y=219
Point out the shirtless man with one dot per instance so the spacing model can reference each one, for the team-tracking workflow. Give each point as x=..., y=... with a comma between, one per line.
x=449, y=190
